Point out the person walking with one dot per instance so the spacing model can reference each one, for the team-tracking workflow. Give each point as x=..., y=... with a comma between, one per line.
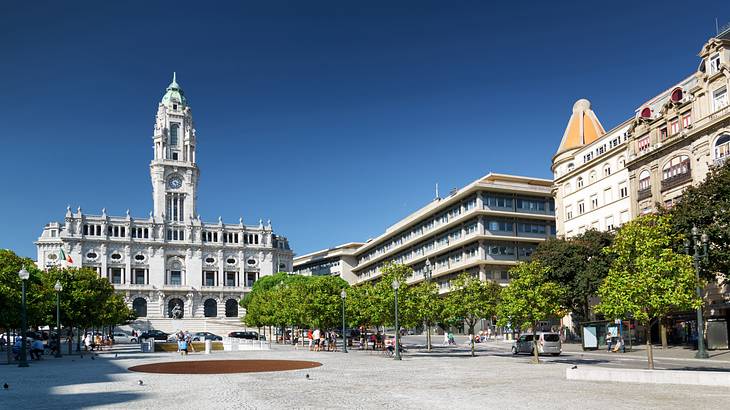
x=310, y=336
x=315, y=336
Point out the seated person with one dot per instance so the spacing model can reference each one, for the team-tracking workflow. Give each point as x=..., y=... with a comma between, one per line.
x=36, y=349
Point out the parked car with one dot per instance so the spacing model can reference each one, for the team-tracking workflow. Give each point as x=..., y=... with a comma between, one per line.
x=250, y=335
x=204, y=336
x=547, y=343
x=121, y=337
x=154, y=334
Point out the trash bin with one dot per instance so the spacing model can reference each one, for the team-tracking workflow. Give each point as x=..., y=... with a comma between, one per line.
x=148, y=346
x=208, y=346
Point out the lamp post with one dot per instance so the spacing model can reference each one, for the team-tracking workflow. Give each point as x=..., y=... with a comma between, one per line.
x=58, y=288
x=24, y=275
x=396, y=285
x=427, y=275
x=343, y=295
x=700, y=251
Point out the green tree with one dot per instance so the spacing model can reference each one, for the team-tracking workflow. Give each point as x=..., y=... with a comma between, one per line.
x=648, y=279
x=529, y=298
x=471, y=300
x=707, y=206
x=578, y=265
x=425, y=303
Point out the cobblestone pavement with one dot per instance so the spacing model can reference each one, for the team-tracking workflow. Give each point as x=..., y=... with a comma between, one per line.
x=358, y=379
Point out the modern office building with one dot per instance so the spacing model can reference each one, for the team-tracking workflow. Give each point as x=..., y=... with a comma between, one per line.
x=337, y=261
x=171, y=257
x=483, y=228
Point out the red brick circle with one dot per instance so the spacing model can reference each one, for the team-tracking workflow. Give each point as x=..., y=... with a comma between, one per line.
x=224, y=366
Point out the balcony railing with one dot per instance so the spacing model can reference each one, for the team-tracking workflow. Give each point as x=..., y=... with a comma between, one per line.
x=644, y=193
x=718, y=162
x=676, y=180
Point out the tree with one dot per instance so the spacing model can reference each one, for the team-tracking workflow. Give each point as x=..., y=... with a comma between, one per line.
x=707, y=206
x=647, y=279
x=471, y=300
x=578, y=265
x=529, y=298
x=425, y=303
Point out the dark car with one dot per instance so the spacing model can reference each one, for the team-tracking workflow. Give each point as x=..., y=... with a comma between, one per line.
x=204, y=336
x=246, y=335
x=154, y=334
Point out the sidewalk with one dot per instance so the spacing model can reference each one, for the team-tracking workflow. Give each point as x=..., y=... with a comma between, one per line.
x=672, y=352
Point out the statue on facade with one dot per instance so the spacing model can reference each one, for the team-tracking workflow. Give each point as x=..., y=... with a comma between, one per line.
x=177, y=312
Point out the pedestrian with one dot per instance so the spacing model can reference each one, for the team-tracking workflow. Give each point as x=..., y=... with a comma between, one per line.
x=446, y=339
x=311, y=339
x=189, y=342
x=322, y=340
x=36, y=349
x=609, y=340
x=87, y=342
x=182, y=347
x=315, y=336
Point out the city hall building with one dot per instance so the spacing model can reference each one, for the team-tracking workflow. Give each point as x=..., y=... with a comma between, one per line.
x=171, y=257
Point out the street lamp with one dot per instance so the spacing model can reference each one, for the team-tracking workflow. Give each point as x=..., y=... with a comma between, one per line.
x=427, y=275
x=58, y=288
x=24, y=275
x=396, y=285
x=343, y=295
x=700, y=251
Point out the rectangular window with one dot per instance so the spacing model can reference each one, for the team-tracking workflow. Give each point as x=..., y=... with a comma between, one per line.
x=175, y=277
x=607, y=196
x=230, y=278
x=568, y=212
x=139, y=277
x=687, y=120
x=209, y=278
x=663, y=135
x=594, y=202
x=624, y=217
x=623, y=190
x=715, y=64
x=609, y=223
x=116, y=275
x=644, y=143
x=719, y=98
x=581, y=208
x=674, y=127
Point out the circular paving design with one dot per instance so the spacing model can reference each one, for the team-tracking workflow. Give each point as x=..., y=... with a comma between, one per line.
x=224, y=366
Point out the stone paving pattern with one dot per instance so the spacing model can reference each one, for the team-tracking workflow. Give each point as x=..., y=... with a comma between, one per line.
x=357, y=380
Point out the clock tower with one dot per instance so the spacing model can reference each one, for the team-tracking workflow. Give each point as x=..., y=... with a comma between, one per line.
x=173, y=169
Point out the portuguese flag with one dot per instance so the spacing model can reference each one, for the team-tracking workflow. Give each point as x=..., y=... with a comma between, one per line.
x=66, y=257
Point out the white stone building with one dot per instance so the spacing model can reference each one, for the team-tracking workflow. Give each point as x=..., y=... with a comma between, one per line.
x=170, y=257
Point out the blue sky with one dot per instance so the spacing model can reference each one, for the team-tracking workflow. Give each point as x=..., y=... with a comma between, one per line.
x=332, y=119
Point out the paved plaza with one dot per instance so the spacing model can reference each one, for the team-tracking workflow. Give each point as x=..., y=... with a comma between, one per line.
x=445, y=378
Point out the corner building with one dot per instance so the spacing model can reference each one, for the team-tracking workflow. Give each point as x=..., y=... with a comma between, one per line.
x=170, y=257
x=483, y=229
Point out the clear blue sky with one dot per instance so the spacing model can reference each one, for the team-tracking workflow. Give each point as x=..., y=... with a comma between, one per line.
x=333, y=119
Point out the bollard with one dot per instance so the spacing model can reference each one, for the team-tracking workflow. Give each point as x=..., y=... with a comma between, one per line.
x=208, y=346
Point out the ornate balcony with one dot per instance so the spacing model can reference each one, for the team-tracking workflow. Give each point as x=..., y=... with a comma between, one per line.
x=644, y=193
x=676, y=180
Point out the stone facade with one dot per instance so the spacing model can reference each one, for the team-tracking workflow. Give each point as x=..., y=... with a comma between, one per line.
x=170, y=257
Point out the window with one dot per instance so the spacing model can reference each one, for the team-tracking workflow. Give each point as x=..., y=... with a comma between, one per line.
x=621, y=162
x=567, y=188
x=499, y=202
x=594, y=202
x=722, y=146
x=116, y=275
x=531, y=228
x=678, y=165
x=715, y=64
x=139, y=276
x=624, y=217
x=606, y=170
x=531, y=205
x=568, y=212
x=139, y=257
x=592, y=177
x=719, y=98
x=209, y=278
x=644, y=180
x=644, y=143
x=674, y=127
x=570, y=167
x=623, y=190
x=663, y=135
x=607, y=196
x=609, y=223
x=501, y=226
x=587, y=157
x=579, y=182
x=174, y=128
x=581, y=208
x=687, y=120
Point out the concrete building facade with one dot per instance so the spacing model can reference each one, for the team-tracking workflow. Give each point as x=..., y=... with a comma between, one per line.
x=337, y=261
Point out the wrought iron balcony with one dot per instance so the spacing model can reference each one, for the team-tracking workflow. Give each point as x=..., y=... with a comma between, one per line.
x=644, y=193
x=676, y=180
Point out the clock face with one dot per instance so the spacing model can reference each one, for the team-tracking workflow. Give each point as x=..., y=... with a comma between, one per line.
x=174, y=182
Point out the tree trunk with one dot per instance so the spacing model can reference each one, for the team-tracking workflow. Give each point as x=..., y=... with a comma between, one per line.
x=471, y=338
x=663, y=332
x=534, y=343
x=649, y=351
x=428, y=337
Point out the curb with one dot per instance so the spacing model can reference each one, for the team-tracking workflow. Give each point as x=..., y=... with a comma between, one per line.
x=686, y=377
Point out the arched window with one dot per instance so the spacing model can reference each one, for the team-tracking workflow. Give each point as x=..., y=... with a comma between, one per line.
x=570, y=167
x=676, y=166
x=579, y=182
x=174, y=130
x=606, y=170
x=592, y=177
x=210, y=308
x=621, y=162
x=231, y=308
x=140, y=307
x=644, y=180
x=722, y=147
